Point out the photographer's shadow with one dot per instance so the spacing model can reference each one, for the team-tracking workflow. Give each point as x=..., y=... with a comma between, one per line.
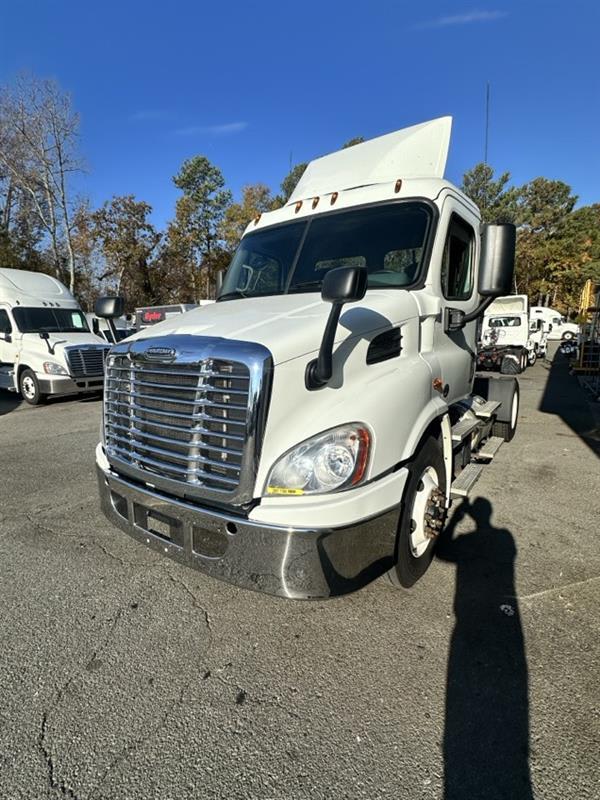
x=486, y=736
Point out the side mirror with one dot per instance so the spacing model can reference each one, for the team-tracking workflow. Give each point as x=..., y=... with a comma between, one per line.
x=220, y=276
x=344, y=285
x=109, y=307
x=497, y=262
x=46, y=337
x=341, y=285
x=5, y=336
x=496, y=268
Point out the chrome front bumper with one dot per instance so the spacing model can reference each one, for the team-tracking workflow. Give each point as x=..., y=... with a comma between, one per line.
x=299, y=563
x=63, y=385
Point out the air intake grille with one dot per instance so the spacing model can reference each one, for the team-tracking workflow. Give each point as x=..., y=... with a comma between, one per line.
x=86, y=362
x=178, y=421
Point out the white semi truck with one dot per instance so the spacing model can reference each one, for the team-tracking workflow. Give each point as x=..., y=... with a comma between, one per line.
x=506, y=342
x=46, y=347
x=560, y=328
x=308, y=432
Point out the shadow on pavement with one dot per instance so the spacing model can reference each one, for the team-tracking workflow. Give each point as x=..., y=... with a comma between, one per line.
x=9, y=401
x=486, y=736
x=564, y=397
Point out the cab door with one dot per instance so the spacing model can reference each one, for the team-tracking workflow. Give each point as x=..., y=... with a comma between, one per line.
x=7, y=344
x=457, y=350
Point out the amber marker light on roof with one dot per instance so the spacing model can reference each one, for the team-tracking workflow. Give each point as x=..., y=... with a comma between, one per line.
x=334, y=197
x=298, y=206
x=398, y=185
x=257, y=219
x=315, y=202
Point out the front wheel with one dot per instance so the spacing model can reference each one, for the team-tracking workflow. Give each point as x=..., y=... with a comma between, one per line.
x=507, y=428
x=30, y=388
x=531, y=357
x=568, y=336
x=423, y=514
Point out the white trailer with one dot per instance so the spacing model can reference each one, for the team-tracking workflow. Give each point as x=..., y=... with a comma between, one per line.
x=152, y=315
x=309, y=431
x=46, y=347
x=559, y=327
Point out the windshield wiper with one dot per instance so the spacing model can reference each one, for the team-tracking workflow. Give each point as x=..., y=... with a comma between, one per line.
x=306, y=285
x=232, y=295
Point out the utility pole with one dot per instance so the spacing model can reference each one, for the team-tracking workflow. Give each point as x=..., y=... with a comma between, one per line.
x=487, y=122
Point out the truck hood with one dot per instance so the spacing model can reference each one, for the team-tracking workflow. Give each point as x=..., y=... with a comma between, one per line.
x=288, y=325
x=60, y=341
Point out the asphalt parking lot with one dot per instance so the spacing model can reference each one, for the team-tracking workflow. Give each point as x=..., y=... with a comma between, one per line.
x=124, y=675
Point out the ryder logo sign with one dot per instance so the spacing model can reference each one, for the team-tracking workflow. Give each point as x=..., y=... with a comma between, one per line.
x=153, y=316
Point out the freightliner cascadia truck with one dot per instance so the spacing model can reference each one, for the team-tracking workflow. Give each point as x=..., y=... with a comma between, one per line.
x=308, y=432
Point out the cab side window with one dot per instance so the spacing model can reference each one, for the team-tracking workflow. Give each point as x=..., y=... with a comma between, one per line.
x=5, y=326
x=457, y=262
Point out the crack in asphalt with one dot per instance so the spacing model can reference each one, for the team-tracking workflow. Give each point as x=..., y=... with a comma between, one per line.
x=54, y=783
x=562, y=587
x=123, y=561
x=190, y=593
x=130, y=748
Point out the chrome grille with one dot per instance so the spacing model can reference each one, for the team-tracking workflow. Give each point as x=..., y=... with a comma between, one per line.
x=86, y=362
x=183, y=422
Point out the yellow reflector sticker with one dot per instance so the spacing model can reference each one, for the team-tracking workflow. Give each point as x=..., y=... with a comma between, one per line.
x=283, y=490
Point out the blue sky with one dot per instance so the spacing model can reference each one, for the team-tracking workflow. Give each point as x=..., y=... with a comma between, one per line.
x=248, y=83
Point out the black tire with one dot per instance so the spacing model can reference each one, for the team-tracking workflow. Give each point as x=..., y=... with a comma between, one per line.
x=568, y=336
x=531, y=357
x=507, y=430
x=409, y=568
x=30, y=388
x=510, y=366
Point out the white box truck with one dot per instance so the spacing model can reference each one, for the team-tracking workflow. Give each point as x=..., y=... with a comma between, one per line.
x=505, y=342
x=559, y=327
x=46, y=347
x=307, y=432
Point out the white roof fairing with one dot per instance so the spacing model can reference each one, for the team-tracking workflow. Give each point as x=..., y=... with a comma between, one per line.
x=419, y=151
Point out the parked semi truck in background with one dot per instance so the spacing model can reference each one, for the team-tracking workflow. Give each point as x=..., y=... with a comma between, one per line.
x=560, y=327
x=46, y=347
x=308, y=432
x=505, y=341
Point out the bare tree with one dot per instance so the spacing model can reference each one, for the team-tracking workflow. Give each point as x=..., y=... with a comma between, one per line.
x=38, y=154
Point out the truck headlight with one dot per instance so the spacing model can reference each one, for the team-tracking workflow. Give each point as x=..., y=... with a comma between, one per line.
x=325, y=463
x=52, y=368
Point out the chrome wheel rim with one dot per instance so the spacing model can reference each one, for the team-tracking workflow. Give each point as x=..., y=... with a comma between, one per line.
x=427, y=512
x=28, y=387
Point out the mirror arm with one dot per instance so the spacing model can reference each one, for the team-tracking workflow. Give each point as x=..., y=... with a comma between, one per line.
x=455, y=319
x=319, y=370
x=48, y=345
x=113, y=329
x=487, y=301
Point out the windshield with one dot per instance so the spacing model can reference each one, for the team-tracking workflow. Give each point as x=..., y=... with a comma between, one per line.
x=294, y=257
x=53, y=320
x=505, y=322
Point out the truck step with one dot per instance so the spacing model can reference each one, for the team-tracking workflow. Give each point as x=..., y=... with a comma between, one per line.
x=486, y=410
x=489, y=448
x=463, y=428
x=6, y=379
x=466, y=480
